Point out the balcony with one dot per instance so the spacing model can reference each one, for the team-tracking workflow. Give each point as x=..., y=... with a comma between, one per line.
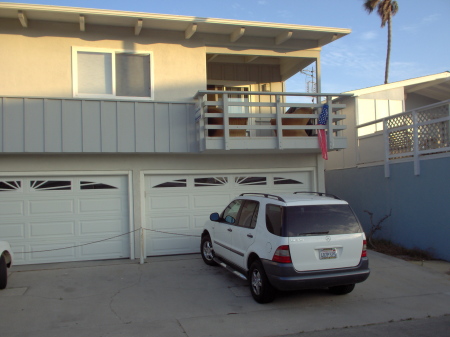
x=72, y=125
x=412, y=135
x=258, y=121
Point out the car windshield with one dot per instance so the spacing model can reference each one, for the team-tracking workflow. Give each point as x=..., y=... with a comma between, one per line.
x=319, y=220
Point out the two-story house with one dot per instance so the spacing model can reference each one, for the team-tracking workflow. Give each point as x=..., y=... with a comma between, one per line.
x=121, y=132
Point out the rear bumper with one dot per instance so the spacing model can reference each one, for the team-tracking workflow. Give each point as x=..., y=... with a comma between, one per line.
x=283, y=276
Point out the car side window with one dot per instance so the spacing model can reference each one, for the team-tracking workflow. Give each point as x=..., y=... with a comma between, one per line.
x=249, y=214
x=274, y=216
x=231, y=212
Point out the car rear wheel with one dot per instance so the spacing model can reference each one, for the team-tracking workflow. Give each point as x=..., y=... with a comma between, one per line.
x=207, y=250
x=342, y=290
x=260, y=287
x=3, y=273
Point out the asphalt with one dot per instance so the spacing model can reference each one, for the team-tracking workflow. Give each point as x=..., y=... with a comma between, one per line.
x=180, y=296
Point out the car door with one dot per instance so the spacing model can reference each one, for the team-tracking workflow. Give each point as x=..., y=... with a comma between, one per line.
x=223, y=229
x=243, y=232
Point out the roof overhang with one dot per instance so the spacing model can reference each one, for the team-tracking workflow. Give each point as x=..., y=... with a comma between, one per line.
x=279, y=34
x=435, y=86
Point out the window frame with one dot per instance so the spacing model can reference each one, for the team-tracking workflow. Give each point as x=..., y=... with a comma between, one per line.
x=113, y=52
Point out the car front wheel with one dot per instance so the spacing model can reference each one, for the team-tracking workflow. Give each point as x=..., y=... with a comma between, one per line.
x=262, y=291
x=207, y=250
x=3, y=273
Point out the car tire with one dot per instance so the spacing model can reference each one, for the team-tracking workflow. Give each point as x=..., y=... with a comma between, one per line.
x=3, y=273
x=260, y=287
x=342, y=290
x=207, y=250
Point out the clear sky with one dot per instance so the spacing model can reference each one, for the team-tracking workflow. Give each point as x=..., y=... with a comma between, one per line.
x=420, y=33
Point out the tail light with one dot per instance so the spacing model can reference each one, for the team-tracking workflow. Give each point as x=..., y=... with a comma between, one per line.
x=282, y=255
x=364, y=249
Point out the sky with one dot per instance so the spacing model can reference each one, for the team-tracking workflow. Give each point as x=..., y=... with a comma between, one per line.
x=420, y=34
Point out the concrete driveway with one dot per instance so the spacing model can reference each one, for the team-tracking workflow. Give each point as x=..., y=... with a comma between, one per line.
x=181, y=296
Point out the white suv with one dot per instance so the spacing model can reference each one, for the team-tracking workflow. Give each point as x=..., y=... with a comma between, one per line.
x=288, y=242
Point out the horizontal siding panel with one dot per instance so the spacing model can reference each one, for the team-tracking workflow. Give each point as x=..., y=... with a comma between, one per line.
x=37, y=125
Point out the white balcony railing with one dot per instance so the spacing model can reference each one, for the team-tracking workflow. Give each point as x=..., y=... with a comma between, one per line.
x=256, y=120
x=410, y=135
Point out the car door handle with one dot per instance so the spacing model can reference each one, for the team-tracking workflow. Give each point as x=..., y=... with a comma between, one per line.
x=229, y=229
x=250, y=235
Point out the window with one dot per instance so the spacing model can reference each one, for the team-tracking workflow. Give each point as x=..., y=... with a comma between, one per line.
x=10, y=185
x=274, y=215
x=249, y=214
x=109, y=74
x=51, y=185
x=231, y=212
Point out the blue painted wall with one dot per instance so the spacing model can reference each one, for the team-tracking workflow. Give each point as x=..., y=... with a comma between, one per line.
x=420, y=204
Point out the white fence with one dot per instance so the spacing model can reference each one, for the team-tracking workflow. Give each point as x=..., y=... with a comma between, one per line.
x=410, y=135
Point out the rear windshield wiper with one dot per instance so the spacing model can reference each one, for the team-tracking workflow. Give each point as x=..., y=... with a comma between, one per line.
x=314, y=233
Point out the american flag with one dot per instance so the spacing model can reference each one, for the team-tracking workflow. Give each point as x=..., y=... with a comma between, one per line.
x=321, y=134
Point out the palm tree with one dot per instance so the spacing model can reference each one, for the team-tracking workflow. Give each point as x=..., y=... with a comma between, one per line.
x=386, y=9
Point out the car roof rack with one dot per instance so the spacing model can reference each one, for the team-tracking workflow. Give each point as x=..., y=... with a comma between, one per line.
x=270, y=196
x=320, y=194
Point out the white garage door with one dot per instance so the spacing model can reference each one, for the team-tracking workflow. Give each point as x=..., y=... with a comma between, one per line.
x=178, y=206
x=41, y=215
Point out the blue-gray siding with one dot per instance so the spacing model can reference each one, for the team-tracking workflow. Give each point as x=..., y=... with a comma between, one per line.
x=94, y=126
x=420, y=204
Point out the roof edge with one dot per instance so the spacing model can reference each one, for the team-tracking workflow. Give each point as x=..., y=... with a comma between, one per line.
x=169, y=17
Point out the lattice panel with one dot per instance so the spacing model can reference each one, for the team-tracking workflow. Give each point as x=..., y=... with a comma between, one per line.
x=434, y=113
x=402, y=120
x=433, y=136
x=401, y=141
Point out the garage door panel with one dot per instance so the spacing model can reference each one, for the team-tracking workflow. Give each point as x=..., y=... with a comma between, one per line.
x=50, y=207
x=171, y=245
x=179, y=222
x=211, y=201
x=114, y=226
x=52, y=229
x=12, y=231
x=200, y=219
x=95, y=205
x=12, y=208
x=41, y=253
x=170, y=202
x=104, y=249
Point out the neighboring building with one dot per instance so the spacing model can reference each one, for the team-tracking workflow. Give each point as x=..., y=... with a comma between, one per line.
x=104, y=127
x=398, y=161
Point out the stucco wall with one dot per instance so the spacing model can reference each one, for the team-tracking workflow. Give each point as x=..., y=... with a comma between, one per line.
x=38, y=61
x=420, y=210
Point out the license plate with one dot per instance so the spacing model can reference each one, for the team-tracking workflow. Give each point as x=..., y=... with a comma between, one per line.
x=327, y=253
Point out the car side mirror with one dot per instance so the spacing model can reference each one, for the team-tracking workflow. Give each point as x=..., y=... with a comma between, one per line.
x=214, y=217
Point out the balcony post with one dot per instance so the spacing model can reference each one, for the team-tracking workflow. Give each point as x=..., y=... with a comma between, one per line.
x=387, y=172
x=330, y=136
x=278, y=111
x=226, y=122
x=416, y=144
